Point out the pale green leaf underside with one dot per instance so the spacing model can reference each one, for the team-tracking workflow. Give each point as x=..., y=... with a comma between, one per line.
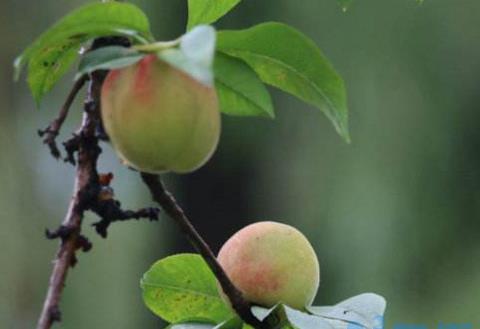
x=180, y=288
x=365, y=310
x=195, y=54
x=208, y=11
x=286, y=59
x=239, y=89
x=285, y=317
x=52, y=53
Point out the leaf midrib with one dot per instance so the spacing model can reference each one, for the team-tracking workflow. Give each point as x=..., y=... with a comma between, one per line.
x=243, y=95
x=289, y=67
x=193, y=292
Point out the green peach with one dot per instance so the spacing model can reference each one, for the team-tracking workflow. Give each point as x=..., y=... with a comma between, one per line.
x=272, y=263
x=159, y=118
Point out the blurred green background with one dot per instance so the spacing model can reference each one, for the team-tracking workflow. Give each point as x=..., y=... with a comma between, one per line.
x=397, y=212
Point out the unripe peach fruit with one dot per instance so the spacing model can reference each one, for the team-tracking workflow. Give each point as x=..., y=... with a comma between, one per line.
x=272, y=263
x=159, y=118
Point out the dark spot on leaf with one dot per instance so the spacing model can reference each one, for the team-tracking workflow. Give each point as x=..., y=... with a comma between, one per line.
x=77, y=36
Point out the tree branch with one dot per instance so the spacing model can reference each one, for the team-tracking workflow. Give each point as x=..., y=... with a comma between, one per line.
x=89, y=190
x=86, y=173
x=51, y=132
x=171, y=207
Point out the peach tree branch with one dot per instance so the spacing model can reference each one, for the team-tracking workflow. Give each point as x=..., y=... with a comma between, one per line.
x=89, y=190
x=168, y=203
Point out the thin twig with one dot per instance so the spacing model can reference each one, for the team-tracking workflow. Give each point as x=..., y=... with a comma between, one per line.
x=166, y=200
x=110, y=211
x=51, y=132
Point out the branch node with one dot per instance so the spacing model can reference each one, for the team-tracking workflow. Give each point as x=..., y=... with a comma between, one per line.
x=62, y=232
x=109, y=210
x=71, y=146
x=83, y=243
x=55, y=314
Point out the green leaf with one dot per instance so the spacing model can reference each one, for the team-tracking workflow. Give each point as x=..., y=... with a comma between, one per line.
x=286, y=59
x=207, y=11
x=233, y=323
x=191, y=325
x=365, y=310
x=196, y=53
x=239, y=89
x=52, y=53
x=181, y=288
x=48, y=65
x=107, y=58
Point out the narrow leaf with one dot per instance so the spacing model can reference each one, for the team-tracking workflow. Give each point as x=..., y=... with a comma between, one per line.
x=208, y=11
x=239, y=89
x=180, y=288
x=108, y=58
x=52, y=53
x=286, y=59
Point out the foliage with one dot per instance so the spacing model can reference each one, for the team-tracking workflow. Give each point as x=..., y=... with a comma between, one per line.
x=270, y=53
x=182, y=290
x=53, y=52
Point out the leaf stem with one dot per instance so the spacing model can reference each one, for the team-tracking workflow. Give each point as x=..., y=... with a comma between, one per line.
x=157, y=46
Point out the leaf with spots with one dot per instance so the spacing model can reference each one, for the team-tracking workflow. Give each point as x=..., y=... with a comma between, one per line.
x=182, y=288
x=53, y=52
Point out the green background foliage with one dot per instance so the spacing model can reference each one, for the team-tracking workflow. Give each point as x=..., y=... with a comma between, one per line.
x=395, y=212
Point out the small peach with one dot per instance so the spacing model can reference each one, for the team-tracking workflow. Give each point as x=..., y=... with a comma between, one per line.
x=159, y=118
x=272, y=263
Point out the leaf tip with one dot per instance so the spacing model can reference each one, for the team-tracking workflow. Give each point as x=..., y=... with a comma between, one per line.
x=17, y=67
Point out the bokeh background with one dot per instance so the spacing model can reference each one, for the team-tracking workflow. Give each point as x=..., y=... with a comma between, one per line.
x=397, y=212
